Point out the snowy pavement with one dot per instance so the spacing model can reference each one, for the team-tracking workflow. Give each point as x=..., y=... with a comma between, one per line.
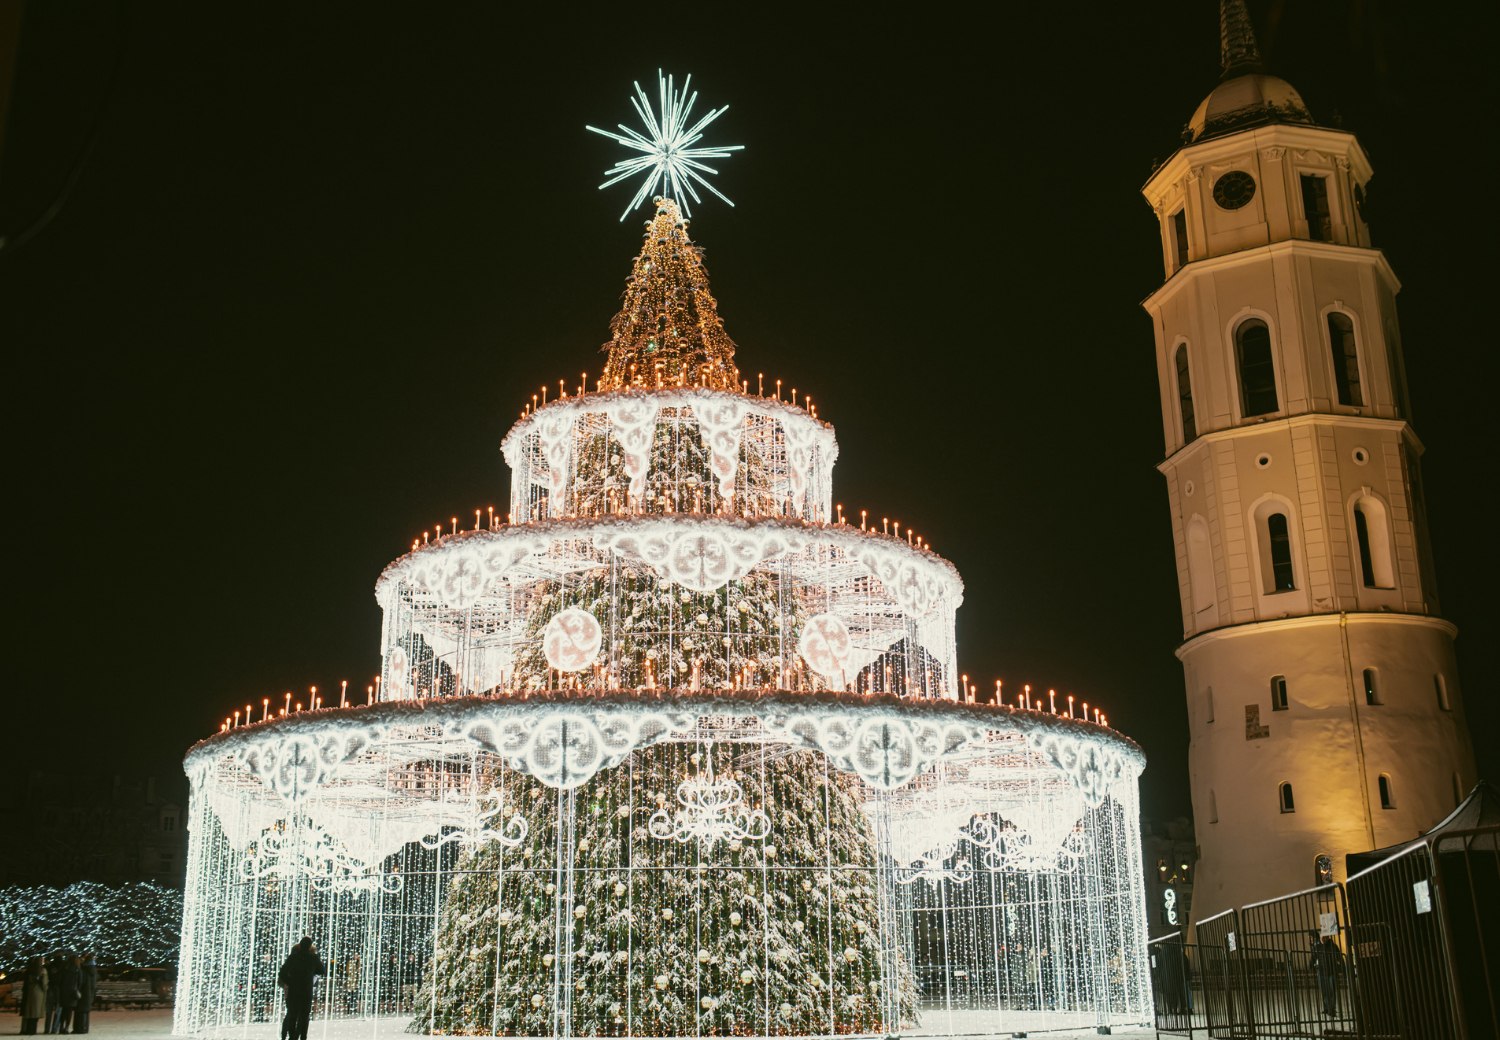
x=149, y=1024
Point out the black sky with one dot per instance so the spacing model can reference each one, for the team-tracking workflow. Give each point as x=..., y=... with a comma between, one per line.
x=319, y=255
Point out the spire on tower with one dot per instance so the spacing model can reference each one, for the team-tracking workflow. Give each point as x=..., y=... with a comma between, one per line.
x=668, y=331
x=1238, y=51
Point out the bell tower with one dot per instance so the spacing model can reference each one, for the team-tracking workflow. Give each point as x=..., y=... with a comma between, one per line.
x=1323, y=697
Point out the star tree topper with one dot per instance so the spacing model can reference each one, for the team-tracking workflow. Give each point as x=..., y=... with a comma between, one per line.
x=670, y=154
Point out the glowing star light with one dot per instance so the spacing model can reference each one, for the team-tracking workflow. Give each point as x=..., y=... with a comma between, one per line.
x=668, y=153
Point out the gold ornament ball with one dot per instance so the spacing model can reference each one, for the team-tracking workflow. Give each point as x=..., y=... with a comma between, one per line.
x=537, y=1000
x=661, y=981
x=735, y=918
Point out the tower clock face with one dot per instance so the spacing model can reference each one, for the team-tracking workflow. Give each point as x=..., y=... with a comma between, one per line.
x=1234, y=189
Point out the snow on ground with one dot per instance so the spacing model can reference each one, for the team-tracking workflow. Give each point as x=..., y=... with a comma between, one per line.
x=143, y=1025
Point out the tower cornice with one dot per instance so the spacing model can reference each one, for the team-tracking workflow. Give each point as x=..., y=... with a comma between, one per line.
x=1254, y=428
x=1275, y=250
x=1188, y=158
x=1286, y=624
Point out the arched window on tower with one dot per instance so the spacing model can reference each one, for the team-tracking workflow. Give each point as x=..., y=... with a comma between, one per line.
x=1252, y=349
x=1345, y=359
x=1284, y=794
x=1185, y=396
x=1200, y=564
x=1274, y=541
x=1372, y=533
x=1372, y=686
x=1180, y=236
x=1387, y=796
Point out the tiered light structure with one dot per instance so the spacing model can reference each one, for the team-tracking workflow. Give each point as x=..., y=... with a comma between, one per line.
x=677, y=752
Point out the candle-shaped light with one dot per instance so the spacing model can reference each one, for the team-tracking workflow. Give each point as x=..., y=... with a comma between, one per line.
x=1052, y=700
x=1026, y=691
x=288, y=702
x=265, y=708
x=1070, y=705
x=236, y=717
x=344, y=692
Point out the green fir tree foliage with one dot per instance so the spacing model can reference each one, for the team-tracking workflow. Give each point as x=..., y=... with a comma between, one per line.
x=663, y=937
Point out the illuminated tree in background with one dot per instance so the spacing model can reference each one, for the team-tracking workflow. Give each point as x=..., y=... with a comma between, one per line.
x=674, y=937
x=134, y=924
x=668, y=331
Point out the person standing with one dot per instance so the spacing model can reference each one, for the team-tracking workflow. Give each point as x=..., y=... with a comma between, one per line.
x=1325, y=958
x=33, y=996
x=88, y=985
x=52, y=1022
x=298, y=971
x=67, y=992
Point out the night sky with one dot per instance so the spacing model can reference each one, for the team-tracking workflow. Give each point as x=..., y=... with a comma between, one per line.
x=316, y=260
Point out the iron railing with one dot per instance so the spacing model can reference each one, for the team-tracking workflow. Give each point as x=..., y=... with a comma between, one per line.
x=1410, y=950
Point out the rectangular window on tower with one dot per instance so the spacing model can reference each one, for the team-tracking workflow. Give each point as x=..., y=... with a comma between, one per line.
x=1315, y=207
x=1179, y=236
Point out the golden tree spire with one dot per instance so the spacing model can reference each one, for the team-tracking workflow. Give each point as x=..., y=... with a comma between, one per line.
x=668, y=331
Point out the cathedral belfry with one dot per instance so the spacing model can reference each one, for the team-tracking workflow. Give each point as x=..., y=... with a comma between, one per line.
x=1322, y=690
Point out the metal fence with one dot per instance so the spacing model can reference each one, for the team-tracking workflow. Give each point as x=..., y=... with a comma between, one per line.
x=1409, y=951
x=1425, y=930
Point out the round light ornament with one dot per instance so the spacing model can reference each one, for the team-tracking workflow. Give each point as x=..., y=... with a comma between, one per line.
x=825, y=645
x=571, y=640
x=1234, y=190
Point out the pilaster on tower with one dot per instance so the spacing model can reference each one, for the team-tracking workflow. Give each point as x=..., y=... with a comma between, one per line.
x=1322, y=690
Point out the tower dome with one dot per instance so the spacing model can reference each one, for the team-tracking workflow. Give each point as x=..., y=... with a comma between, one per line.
x=1246, y=100
x=1246, y=96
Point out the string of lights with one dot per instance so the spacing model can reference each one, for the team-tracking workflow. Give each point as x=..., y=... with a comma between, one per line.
x=134, y=925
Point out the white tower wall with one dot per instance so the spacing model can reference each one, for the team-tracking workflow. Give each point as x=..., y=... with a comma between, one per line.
x=1299, y=530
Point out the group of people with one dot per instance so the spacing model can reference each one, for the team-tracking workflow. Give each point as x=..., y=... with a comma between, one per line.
x=59, y=992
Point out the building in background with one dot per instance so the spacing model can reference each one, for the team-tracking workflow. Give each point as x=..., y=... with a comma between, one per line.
x=1323, y=698
x=1169, y=853
x=72, y=826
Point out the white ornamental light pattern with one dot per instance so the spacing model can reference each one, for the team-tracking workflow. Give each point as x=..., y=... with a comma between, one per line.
x=550, y=452
x=942, y=863
x=668, y=152
x=477, y=826
x=710, y=809
x=825, y=645
x=571, y=640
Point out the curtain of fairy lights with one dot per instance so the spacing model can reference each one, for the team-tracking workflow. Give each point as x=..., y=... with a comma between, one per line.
x=679, y=751
x=732, y=875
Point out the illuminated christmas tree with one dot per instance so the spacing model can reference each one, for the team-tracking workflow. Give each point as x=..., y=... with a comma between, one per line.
x=775, y=933
x=668, y=331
